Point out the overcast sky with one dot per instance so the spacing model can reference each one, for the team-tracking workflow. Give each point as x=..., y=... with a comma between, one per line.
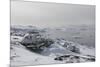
x=50, y=14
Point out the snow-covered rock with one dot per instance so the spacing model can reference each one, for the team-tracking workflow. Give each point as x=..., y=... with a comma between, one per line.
x=50, y=50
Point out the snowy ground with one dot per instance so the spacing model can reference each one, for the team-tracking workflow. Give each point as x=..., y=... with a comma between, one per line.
x=21, y=56
x=54, y=54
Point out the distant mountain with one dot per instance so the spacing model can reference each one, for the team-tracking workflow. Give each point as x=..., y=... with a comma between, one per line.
x=21, y=29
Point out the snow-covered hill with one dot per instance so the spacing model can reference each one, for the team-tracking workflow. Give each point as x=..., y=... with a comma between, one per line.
x=21, y=56
x=56, y=53
x=60, y=51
